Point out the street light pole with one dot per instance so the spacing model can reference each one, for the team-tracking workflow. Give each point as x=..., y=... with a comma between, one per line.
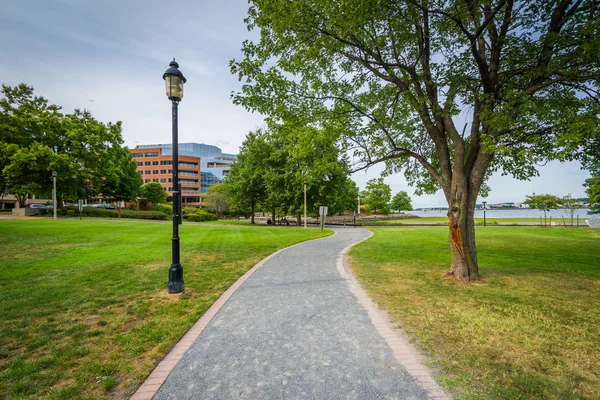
x=484, y=203
x=358, y=208
x=305, y=204
x=174, y=81
x=54, y=193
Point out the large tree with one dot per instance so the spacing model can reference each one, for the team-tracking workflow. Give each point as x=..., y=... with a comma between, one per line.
x=245, y=183
x=37, y=139
x=274, y=163
x=377, y=195
x=593, y=192
x=401, y=201
x=216, y=199
x=447, y=91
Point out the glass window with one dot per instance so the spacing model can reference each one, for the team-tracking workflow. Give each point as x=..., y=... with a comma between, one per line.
x=147, y=180
x=155, y=172
x=155, y=180
x=147, y=163
x=163, y=180
x=139, y=163
x=154, y=162
x=163, y=171
x=147, y=172
x=152, y=154
x=135, y=155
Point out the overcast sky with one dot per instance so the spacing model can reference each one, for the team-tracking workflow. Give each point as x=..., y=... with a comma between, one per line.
x=108, y=56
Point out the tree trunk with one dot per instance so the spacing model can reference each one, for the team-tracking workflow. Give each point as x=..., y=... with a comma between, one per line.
x=298, y=219
x=253, y=207
x=461, y=238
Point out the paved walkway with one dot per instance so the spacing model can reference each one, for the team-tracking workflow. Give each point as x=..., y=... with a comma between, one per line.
x=295, y=330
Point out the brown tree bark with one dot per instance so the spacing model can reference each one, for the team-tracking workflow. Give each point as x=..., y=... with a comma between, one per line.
x=252, y=215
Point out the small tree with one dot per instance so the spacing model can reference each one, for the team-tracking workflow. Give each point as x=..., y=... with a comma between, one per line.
x=593, y=192
x=570, y=204
x=216, y=199
x=401, y=201
x=543, y=202
x=154, y=193
x=378, y=194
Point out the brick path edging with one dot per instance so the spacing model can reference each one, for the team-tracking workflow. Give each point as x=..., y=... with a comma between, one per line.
x=404, y=353
x=163, y=369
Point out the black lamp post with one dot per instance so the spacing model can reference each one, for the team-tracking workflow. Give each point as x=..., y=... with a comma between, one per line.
x=484, y=203
x=174, y=81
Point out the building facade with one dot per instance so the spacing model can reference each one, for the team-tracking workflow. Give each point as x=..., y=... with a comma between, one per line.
x=154, y=165
x=214, y=164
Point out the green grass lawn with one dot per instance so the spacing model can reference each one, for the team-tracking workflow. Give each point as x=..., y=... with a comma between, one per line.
x=83, y=307
x=529, y=330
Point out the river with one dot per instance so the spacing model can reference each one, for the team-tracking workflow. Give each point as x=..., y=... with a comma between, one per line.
x=583, y=213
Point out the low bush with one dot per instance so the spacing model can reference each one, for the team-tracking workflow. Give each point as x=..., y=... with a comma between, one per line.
x=165, y=208
x=105, y=213
x=200, y=216
x=191, y=210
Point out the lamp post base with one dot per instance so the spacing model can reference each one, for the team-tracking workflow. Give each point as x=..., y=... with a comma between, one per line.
x=175, y=284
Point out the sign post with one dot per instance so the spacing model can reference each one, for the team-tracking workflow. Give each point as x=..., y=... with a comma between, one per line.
x=80, y=205
x=322, y=215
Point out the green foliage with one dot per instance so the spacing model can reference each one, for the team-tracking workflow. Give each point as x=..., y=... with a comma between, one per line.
x=273, y=165
x=105, y=213
x=392, y=78
x=200, y=216
x=166, y=208
x=36, y=139
x=377, y=195
x=401, y=201
x=216, y=199
x=154, y=193
x=593, y=192
x=394, y=82
x=544, y=202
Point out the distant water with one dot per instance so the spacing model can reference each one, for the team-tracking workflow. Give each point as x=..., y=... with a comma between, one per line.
x=513, y=213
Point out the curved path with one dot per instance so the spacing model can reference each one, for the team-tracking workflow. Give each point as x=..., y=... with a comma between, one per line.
x=294, y=329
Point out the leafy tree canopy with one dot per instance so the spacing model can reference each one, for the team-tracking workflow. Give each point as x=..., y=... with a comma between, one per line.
x=593, y=192
x=377, y=195
x=216, y=199
x=446, y=91
x=154, y=193
x=36, y=139
x=544, y=202
x=274, y=164
x=401, y=201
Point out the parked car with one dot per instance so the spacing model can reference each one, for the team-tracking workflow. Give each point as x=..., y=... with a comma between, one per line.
x=106, y=206
x=37, y=206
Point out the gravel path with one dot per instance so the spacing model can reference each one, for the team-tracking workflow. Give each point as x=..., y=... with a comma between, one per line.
x=293, y=330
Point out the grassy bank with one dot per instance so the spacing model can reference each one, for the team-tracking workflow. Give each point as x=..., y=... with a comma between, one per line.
x=528, y=330
x=83, y=308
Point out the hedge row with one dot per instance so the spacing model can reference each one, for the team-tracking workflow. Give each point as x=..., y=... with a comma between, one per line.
x=199, y=216
x=105, y=213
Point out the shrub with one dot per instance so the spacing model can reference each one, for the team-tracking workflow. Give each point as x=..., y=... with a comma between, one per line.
x=132, y=207
x=200, y=216
x=165, y=208
x=191, y=210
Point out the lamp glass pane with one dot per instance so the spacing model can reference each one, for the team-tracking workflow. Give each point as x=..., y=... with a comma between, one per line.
x=174, y=86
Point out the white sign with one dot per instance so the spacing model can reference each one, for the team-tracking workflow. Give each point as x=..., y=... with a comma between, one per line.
x=323, y=211
x=80, y=204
